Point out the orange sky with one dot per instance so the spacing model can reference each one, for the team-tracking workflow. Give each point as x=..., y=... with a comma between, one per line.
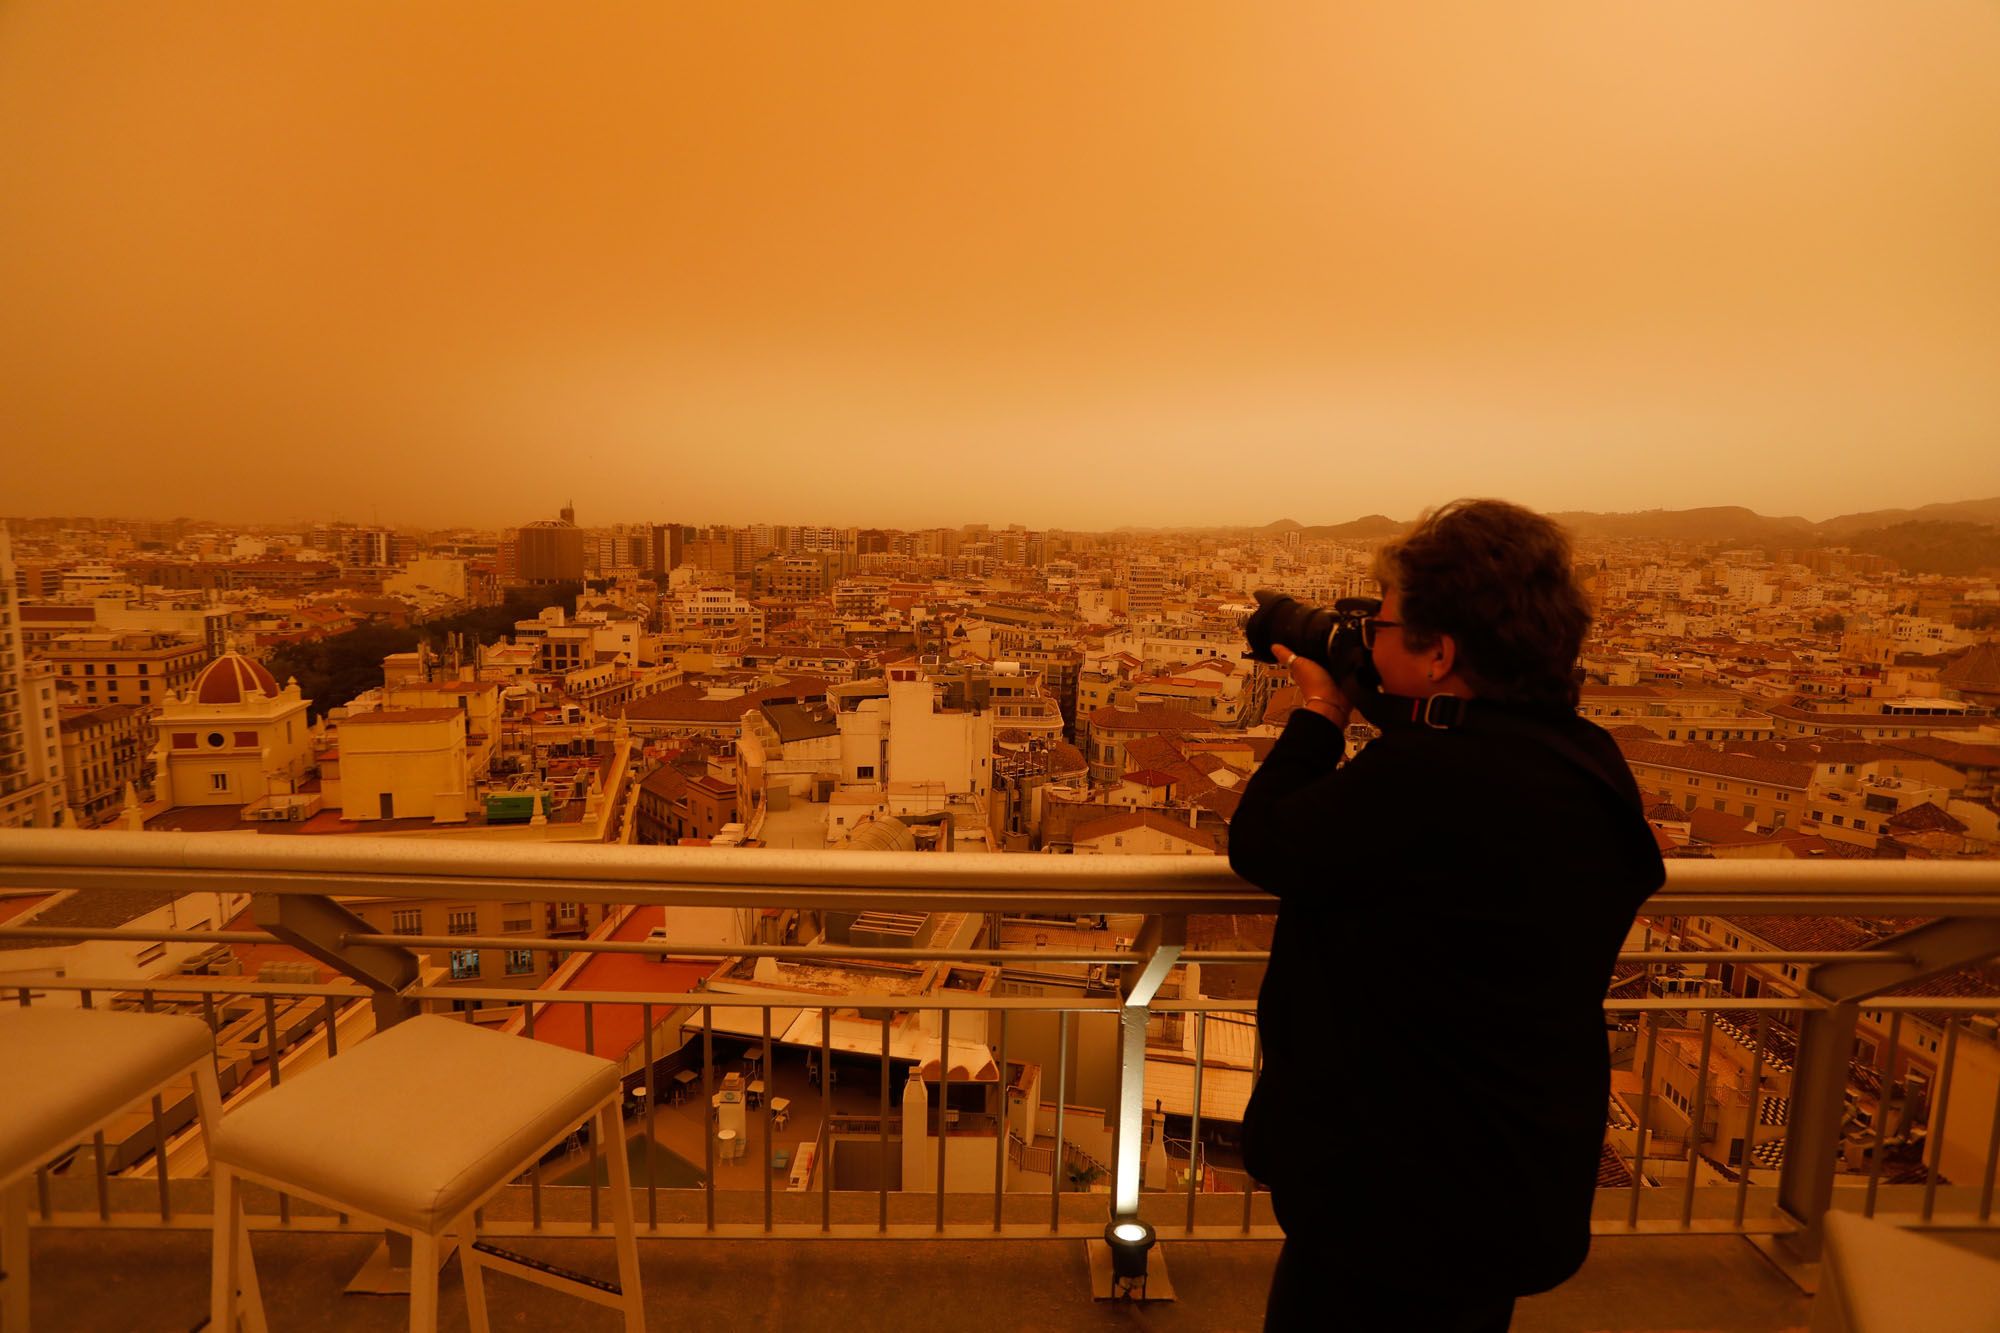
x=1071, y=264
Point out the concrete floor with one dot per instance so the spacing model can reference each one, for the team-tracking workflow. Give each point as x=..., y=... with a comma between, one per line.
x=138, y=1282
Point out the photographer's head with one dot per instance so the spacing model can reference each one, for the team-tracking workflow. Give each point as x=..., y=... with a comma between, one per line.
x=1480, y=599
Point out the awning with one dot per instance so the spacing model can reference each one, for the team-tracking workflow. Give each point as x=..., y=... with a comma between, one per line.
x=1225, y=1092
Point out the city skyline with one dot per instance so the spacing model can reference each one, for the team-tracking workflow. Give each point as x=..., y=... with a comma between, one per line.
x=307, y=521
x=1084, y=269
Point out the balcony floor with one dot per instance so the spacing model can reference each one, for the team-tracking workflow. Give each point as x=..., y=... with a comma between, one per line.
x=136, y=1281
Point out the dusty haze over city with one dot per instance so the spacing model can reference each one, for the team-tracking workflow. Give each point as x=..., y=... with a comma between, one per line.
x=922, y=264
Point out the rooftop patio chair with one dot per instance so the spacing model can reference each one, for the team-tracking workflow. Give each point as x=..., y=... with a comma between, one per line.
x=417, y=1127
x=68, y=1073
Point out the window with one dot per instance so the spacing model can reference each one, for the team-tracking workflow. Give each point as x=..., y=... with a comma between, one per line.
x=218, y=782
x=1720, y=803
x=465, y=964
x=406, y=921
x=565, y=911
x=462, y=921
x=517, y=917
x=862, y=771
x=1749, y=810
x=520, y=962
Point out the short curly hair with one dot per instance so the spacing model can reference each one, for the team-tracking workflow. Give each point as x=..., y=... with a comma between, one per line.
x=1499, y=579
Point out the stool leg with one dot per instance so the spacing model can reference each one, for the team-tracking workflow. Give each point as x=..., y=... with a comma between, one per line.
x=623, y=1224
x=423, y=1284
x=14, y=1255
x=246, y=1274
x=473, y=1273
x=225, y=1254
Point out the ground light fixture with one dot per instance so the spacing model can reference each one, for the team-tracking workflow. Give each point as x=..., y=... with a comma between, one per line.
x=1128, y=1239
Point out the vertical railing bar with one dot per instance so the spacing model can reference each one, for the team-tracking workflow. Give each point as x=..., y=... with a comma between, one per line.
x=1056, y=1162
x=41, y=1172
x=1943, y=1109
x=1645, y=1123
x=1194, y=1123
x=1756, y=1111
x=89, y=998
x=1700, y=1118
x=882, y=1127
x=825, y=1123
x=535, y=1170
x=160, y=1157
x=708, y=1120
x=103, y=1185
x=271, y=1037
x=27, y=998
x=1992, y=1160
x=652, y=1118
x=944, y=1097
x=590, y=1127
x=331, y=1014
x=271, y=1054
x=769, y=1079
x=1887, y=1077
x=1000, y=1153
x=147, y=1005
x=1256, y=1072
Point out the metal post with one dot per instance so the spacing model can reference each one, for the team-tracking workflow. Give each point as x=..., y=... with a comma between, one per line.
x=1160, y=942
x=592, y=1125
x=1194, y=1122
x=652, y=1120
x=1812, y=1140
x=944, y=1097
x=1937, y=1121
x=1697, y=1123
x=1056, y=1160
x=1886, y=1077
x=1756, y=1109
x=708, y=1121
x=1000, y=1137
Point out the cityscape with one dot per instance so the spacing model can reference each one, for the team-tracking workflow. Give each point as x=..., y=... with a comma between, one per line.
x=1782, y=692
x=635, y=657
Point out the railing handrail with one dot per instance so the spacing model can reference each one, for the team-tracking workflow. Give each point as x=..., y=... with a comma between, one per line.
x=384, y=866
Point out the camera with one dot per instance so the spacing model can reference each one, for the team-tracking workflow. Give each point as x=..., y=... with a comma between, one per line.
x=1331, y=638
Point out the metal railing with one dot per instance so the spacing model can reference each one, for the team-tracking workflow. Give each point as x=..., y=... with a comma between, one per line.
x=294, y=881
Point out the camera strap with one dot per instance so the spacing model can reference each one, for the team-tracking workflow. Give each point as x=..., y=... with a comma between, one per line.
x=1445, y=712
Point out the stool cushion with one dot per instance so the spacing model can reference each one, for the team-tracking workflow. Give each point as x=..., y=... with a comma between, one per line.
x=69, y=1070
x=417, y=1123
x=1879, y=1278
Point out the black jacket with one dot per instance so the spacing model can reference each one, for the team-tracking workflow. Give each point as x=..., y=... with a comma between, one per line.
x=1436, y=1068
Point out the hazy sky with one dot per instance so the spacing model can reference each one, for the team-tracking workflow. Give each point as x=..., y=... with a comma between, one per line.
x=1079, y=264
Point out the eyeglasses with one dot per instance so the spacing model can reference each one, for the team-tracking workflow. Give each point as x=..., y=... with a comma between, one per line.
x=1371, y=625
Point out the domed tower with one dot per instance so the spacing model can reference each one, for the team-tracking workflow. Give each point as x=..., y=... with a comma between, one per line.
x=235, y=736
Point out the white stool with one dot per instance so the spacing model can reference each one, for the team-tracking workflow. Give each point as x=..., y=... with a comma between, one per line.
x=68, y=1072
x=1879, y=1278
x=417, y=1127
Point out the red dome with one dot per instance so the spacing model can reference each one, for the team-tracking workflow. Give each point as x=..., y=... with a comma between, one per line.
x=232, y=678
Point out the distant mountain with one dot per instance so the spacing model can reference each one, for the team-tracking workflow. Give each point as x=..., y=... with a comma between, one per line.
x=1955, y=511
x=1360, y=529
x=1721, y=523
x=1937, y=538
x=1932, y=547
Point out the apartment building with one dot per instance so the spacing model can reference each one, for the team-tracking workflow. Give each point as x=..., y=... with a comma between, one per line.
x=1769, y=792
x=104, y=748
x=111, y=668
